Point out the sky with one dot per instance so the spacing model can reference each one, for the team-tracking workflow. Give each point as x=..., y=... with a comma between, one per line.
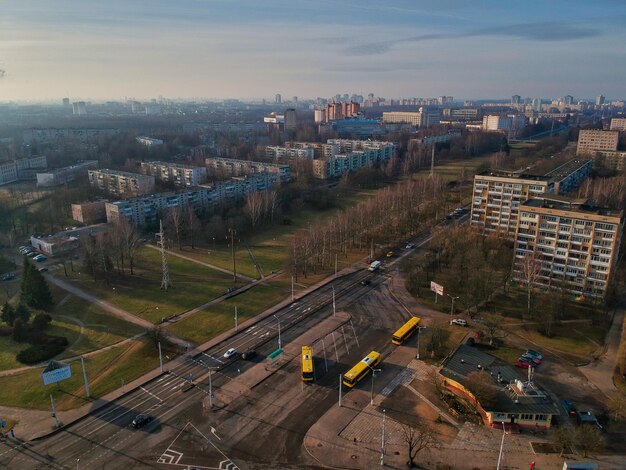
x=253, y=49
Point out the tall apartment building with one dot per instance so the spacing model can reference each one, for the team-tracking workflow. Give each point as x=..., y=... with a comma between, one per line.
x=319, y=150
x=575, y=246
x=618, y=124
x=462, y=114
x=423, y=118
x=66, y=174
x=497, y=197
x=610, y=160
x=121, y=183
x=592, y=140
x=504, y=123
x=282, y=153
x=176, y=173
x=233, y=167
x=146, y=210
x=21, y=169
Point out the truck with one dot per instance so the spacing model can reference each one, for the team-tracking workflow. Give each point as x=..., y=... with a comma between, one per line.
x=374, y=266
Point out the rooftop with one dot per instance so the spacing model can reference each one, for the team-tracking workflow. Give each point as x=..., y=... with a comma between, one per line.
x=566, y=204
x=511, y=398
x=518, y=174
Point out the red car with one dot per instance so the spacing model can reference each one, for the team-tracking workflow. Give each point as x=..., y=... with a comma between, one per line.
x=522, y=364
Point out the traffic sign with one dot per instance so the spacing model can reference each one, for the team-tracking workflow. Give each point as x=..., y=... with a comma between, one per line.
x=55, y=372
x=437, y=288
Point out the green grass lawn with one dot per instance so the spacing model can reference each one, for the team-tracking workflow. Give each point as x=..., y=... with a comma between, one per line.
x=193, y=285
x=452, y=170
x=207, y=324
x=105, y=372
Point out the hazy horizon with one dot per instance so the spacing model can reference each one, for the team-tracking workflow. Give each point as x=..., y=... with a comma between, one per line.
x=252, y=50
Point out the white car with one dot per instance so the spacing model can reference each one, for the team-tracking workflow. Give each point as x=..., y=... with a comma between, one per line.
x=458, y=321
x=230, y=353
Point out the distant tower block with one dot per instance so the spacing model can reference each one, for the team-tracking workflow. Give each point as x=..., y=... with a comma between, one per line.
x=165, y=282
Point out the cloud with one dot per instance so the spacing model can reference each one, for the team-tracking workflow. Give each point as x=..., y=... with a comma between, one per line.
x=546, y=31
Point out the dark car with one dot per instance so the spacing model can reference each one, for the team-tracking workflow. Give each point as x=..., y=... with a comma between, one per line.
x=248, y=355
x=141, y=420
x=365, y=282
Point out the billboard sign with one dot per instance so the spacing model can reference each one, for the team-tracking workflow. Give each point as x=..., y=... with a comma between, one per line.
x=56, y=372
x=436, y=288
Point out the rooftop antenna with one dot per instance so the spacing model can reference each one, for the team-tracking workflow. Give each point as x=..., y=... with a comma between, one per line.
x=165, y=282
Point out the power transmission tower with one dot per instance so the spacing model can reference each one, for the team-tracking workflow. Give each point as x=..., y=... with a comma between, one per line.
x=165, y=282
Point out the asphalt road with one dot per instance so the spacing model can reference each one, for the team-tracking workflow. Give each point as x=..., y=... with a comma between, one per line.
x=107, y=439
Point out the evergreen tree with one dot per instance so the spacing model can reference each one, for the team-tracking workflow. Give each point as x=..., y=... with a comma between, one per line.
x=8, y=314
x=41, y=321
x=26, y=286
x=35, y=290
x=20, y=330
x=23, y=312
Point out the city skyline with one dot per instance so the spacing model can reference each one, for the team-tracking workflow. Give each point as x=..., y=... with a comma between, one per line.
x=216, y=49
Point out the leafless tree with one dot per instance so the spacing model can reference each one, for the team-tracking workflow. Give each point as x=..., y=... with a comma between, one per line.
x=128, y=238
x=418, y=438
x=174, y=223
x=254, y=207
x=482, y=387
x=192, y=225
x=530, y=269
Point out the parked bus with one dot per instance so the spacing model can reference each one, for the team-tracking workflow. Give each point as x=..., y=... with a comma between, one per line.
x=374, y=266
x=307, y=364
x=405, y=331
x=359, y=371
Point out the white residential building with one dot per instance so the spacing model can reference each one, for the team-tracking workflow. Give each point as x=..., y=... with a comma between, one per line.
x=180, y=175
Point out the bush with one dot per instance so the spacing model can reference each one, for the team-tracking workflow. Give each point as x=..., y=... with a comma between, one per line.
x=42, y=352
x=6, y=331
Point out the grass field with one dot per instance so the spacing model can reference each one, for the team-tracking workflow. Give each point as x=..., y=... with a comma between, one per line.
x=193, y=285
x=207, y=324
x=105, y=372
x=452, y=170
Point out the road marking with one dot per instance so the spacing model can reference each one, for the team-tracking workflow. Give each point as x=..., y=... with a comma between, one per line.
x=170, y=457
x=151, y=394
x=215, y=433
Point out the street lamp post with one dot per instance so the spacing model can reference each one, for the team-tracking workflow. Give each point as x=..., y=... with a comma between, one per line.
x=452, y=306
x=382, y=441
x=278, y=320
x=210, y=389
x=417, y=356
x=77, y=462
x=372, y=391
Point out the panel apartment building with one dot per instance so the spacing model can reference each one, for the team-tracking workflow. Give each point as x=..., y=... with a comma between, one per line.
x=423, y=118
x=121, y=183
x=575, y=245
x=498, y=196
x=21, y=169
x=67, y=174
x=176, y=173
x=233, y=167
x=146, y=210
x=602, y=147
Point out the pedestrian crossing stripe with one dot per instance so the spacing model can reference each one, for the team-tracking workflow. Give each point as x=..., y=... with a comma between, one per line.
x=170, y=457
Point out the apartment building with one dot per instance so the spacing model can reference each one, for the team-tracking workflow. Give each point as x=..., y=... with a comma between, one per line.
x=89, y=212
x=610, y=160
x=284, y=153
x=319, y=150
x=593, y=140
x=425, y=117
x=176, y=173
x=21, y=169
x=146, y=210
x=512, y=123
x=233, y=167
x=574, y=245
x=497, y=197
x=570, y=175
x=67, y=174
x=121, y=183
x=618, y=124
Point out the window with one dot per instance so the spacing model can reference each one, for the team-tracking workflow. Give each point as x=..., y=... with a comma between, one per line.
x=541, y=417
x=527, y=417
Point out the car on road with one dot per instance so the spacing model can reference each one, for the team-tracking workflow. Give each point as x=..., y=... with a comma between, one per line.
x=530, y=358
x=409, y=246
x=248, y=355
x=40, y=258
x=389, y=254
x=458, y=321
x=141, y=420
x=522, y=364
x=8, y=276
x=230, y=353
x=365, y=282
x=42, y=270
x=532, y=353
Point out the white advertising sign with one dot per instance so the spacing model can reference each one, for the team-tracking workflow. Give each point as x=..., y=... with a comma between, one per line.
x=437, y=288
x=53, y=373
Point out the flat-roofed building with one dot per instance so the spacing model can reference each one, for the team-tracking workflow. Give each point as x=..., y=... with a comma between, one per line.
x=66, y=174
x=89, y=212
x=234, y=167
x=594, y=140
x=21, y=169
x=284, y=153
x=568, y=244
x=121, y=183
x=497, y=197
x=512, y=123
x=176, y=173
x=610, y=160
x=425, y=117
x=570, y=175
x=618, y=124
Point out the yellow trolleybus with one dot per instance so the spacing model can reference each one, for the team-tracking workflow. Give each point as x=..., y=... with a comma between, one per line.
x=405, y=330
x=307, y=363
x=359, y=371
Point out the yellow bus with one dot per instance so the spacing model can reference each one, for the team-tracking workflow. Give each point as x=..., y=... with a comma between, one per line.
x=363, y=367
x=307, y=364
x=405, y=330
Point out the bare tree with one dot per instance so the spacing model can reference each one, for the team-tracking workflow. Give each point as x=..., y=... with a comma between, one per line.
x=193, y=225
x=492, y=322
x=482, y=387
x=588, y=439
x=128, y=237
x=254, y=207
x=617, y=406
x=174, y=223
x=417, y=438
x=563, y=438
x=530, y=270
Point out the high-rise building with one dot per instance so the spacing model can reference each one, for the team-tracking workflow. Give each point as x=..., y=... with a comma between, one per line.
x=79, y=108
x=278, y=99
x=569, y=99
x=516, y=99
x=291, y=121
x=425, y=117
x=121, y=183
x=567, y=244
x=600, y=100
x=176, y=173
x=592, y=140
x=537, y=104
x=66, y=102
x=618, y=124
